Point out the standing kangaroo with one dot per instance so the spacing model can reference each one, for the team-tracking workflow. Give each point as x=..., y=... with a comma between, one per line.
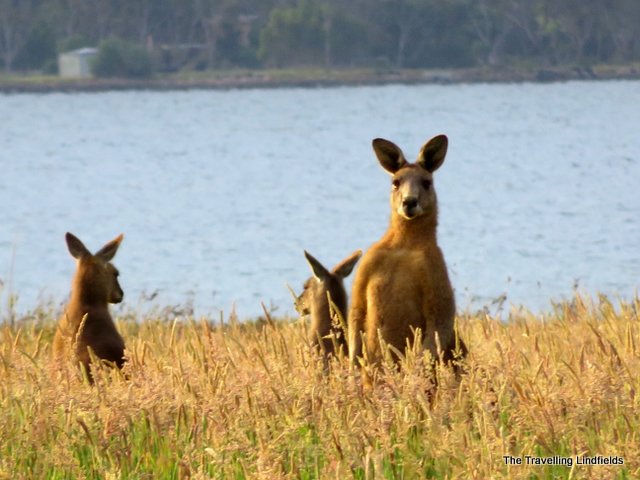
x=87, y=322
x=402, y=283
x=319, y=290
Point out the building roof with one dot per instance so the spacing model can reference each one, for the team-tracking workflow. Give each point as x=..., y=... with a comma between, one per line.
x=86, y=51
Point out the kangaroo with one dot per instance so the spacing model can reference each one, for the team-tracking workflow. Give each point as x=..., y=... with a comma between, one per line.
x=402, y=283
x=87, y=322
x=319, y=290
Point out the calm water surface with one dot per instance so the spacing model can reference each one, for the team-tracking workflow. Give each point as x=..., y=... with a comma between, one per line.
x=218, y=192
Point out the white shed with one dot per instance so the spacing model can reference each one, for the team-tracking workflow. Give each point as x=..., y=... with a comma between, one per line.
x=76, y=64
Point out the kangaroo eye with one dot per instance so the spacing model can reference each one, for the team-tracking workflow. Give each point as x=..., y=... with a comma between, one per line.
x=395, y=184
x=426, y=184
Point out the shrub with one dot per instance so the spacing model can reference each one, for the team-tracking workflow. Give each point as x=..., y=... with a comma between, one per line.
x=117, y=58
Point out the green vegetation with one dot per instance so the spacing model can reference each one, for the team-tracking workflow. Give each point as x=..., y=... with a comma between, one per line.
x=219, y=34
x=117, y=58
x=250, y=400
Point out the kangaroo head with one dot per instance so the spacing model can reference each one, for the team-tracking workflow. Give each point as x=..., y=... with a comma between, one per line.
x=96, y=277
x=323, y=282
x=412, y=192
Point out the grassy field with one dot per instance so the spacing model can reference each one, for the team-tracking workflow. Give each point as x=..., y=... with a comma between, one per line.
x=250, y=400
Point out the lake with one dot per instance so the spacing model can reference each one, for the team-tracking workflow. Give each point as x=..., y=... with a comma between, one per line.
x=219, y=192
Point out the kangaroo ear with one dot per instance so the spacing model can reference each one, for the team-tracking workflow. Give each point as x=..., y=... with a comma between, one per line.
x=76, y=247
x=433, y=152
x=389, y=155
x=345, y=267
x=107, y=252
x=318, y=270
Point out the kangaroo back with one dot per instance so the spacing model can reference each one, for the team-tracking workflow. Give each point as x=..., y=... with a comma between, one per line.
x=323, y=292
x=86, y=323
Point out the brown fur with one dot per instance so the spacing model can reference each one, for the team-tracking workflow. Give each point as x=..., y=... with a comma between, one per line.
x=319, y=290
x=95, y=285
x=402, y=283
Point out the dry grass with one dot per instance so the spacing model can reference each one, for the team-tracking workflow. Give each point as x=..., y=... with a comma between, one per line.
x=251, y=401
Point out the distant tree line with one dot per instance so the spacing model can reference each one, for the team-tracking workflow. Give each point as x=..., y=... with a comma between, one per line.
x=208, y=34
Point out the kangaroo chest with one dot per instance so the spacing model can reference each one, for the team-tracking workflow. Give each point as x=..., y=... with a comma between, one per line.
x=409, y=289
x=409, y=269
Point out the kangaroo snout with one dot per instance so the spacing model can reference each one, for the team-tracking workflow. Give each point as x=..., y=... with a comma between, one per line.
x=410, y=202
x=410, y=207
x=117, y=296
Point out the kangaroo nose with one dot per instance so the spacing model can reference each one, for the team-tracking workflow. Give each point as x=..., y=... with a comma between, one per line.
x=410, y=202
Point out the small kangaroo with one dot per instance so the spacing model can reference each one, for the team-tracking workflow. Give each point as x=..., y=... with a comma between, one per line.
x=402, y=283
x=325, y=286
x=94, y=286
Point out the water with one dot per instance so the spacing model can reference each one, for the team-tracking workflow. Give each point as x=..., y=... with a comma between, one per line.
x=219, y=192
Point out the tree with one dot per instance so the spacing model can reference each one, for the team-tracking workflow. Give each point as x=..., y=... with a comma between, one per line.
x=621, y=21
x=576, y=20
x=67, y=14
x=14, y=29
x=39, y=48
x=402, y=19
x=492, y=28
x=293, y=35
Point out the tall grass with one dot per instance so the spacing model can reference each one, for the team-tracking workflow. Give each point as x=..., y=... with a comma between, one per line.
x=251, y=400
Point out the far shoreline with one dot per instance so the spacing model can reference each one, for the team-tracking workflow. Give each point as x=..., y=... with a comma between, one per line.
x=316, y=77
